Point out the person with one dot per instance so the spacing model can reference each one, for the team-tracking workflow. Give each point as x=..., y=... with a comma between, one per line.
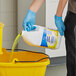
x=66, y=28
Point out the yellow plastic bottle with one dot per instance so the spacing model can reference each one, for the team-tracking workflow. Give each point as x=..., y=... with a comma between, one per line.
x=1, y=33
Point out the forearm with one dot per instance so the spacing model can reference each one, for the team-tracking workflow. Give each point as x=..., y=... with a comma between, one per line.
x=61, y=6
x=36, y=5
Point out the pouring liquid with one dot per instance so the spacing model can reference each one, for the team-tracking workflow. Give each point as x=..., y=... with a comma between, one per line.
x=14, y=45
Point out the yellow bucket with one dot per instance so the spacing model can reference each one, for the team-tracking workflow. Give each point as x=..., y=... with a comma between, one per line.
x=24, y=63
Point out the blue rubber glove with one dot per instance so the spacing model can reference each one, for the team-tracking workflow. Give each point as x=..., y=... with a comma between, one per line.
x=60, y=25
x=29, y=21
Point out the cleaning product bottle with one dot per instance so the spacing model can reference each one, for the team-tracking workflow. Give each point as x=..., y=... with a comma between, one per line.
x=42, y=37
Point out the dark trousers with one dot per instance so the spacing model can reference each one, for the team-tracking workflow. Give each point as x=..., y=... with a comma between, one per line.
x=70, y=42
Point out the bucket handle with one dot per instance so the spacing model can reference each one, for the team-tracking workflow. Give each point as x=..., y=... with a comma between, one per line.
x=31, y=61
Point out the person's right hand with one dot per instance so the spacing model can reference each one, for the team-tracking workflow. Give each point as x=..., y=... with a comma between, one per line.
x=60, y=25
x=29, y=21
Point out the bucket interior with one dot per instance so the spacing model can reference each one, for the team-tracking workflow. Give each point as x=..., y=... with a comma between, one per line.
x=23, y=56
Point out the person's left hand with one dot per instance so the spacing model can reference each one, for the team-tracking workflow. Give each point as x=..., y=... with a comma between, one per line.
x=29, y=21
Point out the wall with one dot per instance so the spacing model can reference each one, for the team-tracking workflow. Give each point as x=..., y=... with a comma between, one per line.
x=23, y=5
x=8, y=15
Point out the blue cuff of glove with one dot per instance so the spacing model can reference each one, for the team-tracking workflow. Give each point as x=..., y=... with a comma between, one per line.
x=29, y=11
x=58, y=18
